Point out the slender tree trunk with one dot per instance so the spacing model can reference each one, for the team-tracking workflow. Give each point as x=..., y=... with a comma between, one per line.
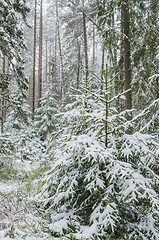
x=85, y=45
x=3, y=97
x=50, y=59
x=121, y=61
x=50, y=63
x=55, y=62
x=93, y=44
x=4, y=65
x=106, y=108
x=157, y=87
x=127, y=61
x=30, y=93
x=40, y=58
x=8, y=65
x=5, y=100
x=55, y=55
x=61, y=59
x=102, y=71
x=114, y=62
x=34, y=62
x=59, y=78
x=78, y=68
x=46, y=60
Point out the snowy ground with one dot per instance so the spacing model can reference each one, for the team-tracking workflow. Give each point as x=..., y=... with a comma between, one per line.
x=18, y=218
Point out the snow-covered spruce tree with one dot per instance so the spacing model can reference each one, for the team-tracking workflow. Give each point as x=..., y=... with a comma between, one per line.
x=23, y=141
x=96, y=192
x=12, y=16
x=147, y=121
x=45, y=114
x=11, y=37
x=16, y=114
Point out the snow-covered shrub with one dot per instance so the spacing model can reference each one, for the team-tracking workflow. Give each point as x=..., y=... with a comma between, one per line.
x=97, y=192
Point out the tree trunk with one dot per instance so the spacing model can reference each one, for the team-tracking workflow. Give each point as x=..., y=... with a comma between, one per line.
x=30, y=93
x=40, y=58
x=46, y=60
x=127, y=61
x=78, y=67
x=34, y=62
x=85, y=45
x=3, y=98
x=106, y=107
x=102, y=71
x=157, y=87
x=59, y=78
x=61, y=59
x=93, y=44
x=50, y=58
x=55, y=61
x=121, y=62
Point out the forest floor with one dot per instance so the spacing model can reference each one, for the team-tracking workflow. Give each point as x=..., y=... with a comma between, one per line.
x=19, y=216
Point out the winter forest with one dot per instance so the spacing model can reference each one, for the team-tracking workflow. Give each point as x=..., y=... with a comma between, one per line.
x=79, y=119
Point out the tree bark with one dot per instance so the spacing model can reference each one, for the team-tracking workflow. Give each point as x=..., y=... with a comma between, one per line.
x=30, y=93
x=34, y=63
x=46, y=60
x=50, y=58
x=5, y=100
x=40, y=58
x=78, y=67
x=3, y=97
x=59, y=78
x=106, y=107
x=157, y=88
x=127, y=55
x=93, y=44
x=102, y=71
x=61, y=59
x=55, y=61
x=85, y=45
